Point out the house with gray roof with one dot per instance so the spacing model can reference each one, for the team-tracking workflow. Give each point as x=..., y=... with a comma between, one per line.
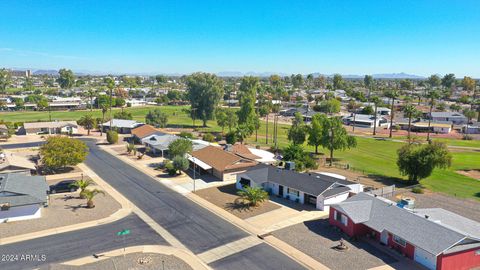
x=159, y=143
x=122, y=126
x=435, y=238
x=455, y=118
x=318, y=190
x=54, y=127
x=22, y=196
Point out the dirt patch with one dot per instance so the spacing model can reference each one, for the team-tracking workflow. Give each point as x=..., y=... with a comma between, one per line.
x=475, y=174
x=226, y=197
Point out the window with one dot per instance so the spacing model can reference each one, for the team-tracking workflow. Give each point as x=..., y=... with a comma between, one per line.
x=477, y=252
x=337, y=216
x=293, y=192
x=244, y=182
x=399, y=241
x=344, y=220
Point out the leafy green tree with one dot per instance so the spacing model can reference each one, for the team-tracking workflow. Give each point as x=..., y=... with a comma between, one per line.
x=418, y=161
x=232, y=120
x=297, y=81
x=410, y=111
x=112, y=137
x=66, y=78
x=434, y=81
x=330, y=106
x=368, y=110
x=302, y=160
x=368, y=81
x=222, y=119
x=5, y=80
x=247, y=97
x=28, y=84
x=161, y=79
x=19, y=103
x=180, y=163
x=231, y=137
x=338, y=82
x=88, y=122
x=448, y=80
x=253, y=195
x=60, y=152
x=315, y=131
x=298, y=130
x=335, y=136
x=406, y=85
x=119, y=102
x=186, y=135
x=204, y=93
x=157, y=118
x=180, y=147
x=123, y=115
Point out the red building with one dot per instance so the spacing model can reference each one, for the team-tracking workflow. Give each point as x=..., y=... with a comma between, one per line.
x=434, y=237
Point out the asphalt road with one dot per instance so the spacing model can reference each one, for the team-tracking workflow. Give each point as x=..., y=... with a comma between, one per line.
x=81, y=243
x=197, y=228
x=21, y=145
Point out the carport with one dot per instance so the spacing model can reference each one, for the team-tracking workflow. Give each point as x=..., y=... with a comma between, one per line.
x=199, y=166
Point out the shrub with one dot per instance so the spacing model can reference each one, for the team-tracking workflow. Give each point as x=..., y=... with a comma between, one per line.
x=186, y=135
x=180, y=163
x=417, y=190
x=467, y=138
x=112, y=137
x=218, y=137
x=208, y=137
x=231, y=137
x=170, y=169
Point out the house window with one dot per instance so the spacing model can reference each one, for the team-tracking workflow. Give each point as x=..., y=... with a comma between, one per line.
x=293, y=192
x=337, y=215
x=344, y=220
x=244, y=182
x=399, y=241
x=477, y=252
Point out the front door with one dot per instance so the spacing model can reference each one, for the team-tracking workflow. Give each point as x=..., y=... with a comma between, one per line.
x=280, y=190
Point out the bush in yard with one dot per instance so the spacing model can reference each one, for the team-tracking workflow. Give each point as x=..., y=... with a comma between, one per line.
x=417, y=190
x=254, y=195
x=180, y=163
x=90, y=194
x=218, y=137
x=112, y=137
x=186, y=135
x=130, y=148
x=231, y=137
x=60, y=152
x=170, y=169
x=208, y=137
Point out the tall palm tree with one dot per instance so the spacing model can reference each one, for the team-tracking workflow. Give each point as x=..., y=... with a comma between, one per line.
x=376, y=102
x=104, y=111
x=410, y=111
x=90, y=194
x=433, y=95
x=88, y=122
x=91, y=93
x=354, y=106
x=392, y=94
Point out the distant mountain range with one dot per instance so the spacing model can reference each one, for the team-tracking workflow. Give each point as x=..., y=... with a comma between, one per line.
x=401, y=75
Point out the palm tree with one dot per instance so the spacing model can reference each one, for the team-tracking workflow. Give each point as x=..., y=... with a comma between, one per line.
x=91, y=94
x=88, y=122
x=82, y=185
x=432, y=95
x=90, y=194
x=104, y=111
x=470, y=114
x=376, y=101
x=392, y=94
x=410, y=111
x=254, y=195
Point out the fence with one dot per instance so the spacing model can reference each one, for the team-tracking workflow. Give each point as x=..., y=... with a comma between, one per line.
x=383, y=191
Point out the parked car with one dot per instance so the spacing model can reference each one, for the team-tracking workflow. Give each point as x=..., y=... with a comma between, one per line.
x=63, y=186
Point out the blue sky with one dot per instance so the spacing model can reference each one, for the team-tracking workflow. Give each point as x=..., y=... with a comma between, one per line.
x=348, y=37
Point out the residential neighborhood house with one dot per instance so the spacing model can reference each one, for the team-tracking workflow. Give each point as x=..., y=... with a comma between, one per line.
x=122, y=126
x=54, y=127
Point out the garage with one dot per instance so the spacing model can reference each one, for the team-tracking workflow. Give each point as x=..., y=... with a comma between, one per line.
x=426, y=259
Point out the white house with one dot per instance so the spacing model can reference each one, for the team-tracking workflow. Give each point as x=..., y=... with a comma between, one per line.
x=21, y=196
x=55, y=127
x=319, y=190
x=365, y=120
x=121, y=125
x=455, y=118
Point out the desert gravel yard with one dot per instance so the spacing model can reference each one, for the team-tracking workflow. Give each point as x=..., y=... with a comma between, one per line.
x=316, y=239
x=465, y=207
x=64, y=209
x=226, y=196
x=131, y=261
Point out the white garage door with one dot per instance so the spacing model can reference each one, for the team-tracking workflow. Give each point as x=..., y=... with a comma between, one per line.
x=426, y=259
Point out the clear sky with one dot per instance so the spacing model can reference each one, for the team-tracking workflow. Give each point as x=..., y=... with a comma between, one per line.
x=349, y=37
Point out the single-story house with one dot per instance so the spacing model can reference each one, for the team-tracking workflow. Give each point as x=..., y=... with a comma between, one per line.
x=366, y=120
x=319, y=190
x=159, y=143
x=21, y=196
x=222, y=164
x=421, y=125
x=13, y=163
x=455, y=118
x=144, y=131
x=472, y=129
x=122, y=126
x=199, y=144
x=55, y=127
x=434, y=237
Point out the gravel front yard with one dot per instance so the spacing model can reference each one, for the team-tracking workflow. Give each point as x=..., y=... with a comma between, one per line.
x=64, y=209
x=316, y=238
x=464, y=207
x=131, y=261
x=225, y=197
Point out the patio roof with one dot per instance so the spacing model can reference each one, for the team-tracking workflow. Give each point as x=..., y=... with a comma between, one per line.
x=200, y=163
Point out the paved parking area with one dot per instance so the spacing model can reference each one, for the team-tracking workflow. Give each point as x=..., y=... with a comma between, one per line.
x=316, y=239
x=64, y=209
